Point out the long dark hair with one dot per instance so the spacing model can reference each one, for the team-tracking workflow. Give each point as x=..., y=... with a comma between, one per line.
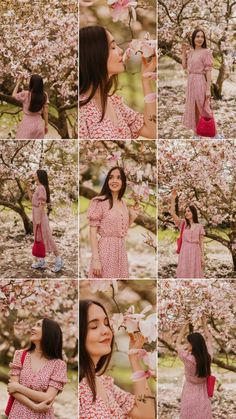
x=93, y=56
x=38, y=96
x=43, y=179
x=204, y=45
x=87, y=368
x=193, y=210
x=200, y=353
x=51, y=342
x=106, y=190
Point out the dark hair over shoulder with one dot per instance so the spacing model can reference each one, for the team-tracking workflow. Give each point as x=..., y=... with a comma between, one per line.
x=38, y=96
x=200, y=353
x=105, y=191
x=51, y=342
x=87, y=369
x=93, y=57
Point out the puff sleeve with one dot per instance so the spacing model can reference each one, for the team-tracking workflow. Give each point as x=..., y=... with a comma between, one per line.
x=59, y=375
x=95, y=212
x=208, y=60
x=22, y=96
x=134, y=120
x=201, y=230
x=15, y=365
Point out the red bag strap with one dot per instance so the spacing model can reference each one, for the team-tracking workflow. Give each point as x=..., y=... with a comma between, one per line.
x=38, y=226
x=22, y=359
x=182, y=229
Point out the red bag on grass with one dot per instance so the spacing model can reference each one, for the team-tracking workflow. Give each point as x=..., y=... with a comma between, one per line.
x=180, y=238
x=12, y=398
x=38, y=249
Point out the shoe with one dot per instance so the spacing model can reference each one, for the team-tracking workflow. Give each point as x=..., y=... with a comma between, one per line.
x=58, y=264
x=41, y=264
x=196, y=137
x=219, y=137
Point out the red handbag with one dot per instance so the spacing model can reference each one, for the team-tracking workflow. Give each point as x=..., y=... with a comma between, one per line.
x=206, y=126
x=12, y=398
x=38, y=248
x=180, y=238
x=211, y=379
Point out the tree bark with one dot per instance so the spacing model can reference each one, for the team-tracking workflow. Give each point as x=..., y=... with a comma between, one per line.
x=28, y=226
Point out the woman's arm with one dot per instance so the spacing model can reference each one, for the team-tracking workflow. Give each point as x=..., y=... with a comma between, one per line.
x=201, y=241
x=206, y=330
x=208, y=89
x=15, y=91
x=132, y=215
x=96, y=264
x=181, y=335
x=172, y=206
x=148, y=130
x=39, y=213
x=45, y=117
x=37, y=396
x=185, y=49
x=141, y=388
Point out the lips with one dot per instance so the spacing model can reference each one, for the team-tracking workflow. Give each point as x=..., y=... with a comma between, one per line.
x=106, y=341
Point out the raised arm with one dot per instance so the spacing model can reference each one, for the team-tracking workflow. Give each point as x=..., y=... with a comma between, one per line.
x=208, y=336
x=16, y=88
x=172, y=206
x=185, y=49
x=45, y=117
x=141, y=387
x=181, y=336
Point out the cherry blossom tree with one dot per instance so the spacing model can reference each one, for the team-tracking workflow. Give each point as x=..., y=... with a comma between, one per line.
x=177, y=20
x=41, y=37
x=23, y=302
x=20, y=159
x=189, y=300
x=204, y=175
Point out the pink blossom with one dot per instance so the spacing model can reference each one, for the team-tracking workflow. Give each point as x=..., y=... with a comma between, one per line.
x=120, y=9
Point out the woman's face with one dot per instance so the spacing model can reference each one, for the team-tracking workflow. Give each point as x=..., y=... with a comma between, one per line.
x=199, y=39
x=35, y=177
x=99, y=335
x=36, y=332
x=188, y=214
x=189, y=347
x=115, y=64
x=114, y=181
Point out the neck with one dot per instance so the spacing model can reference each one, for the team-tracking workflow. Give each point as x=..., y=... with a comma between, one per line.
x=95, y=360
x=115, y=196
x=198, y=47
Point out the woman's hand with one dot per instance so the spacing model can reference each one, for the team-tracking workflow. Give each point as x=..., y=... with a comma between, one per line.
x=44, y=406
x=148, y=66
x=185, y=48
x=46, y=129
x=203, y=261
x=13, y=387
x=136, y=340
x=96, y=268
x=174, y=194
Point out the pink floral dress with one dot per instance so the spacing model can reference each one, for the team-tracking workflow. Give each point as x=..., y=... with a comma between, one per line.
x=129, y=121
x=198, y=63
x=112, y=227
x=120, y=402
x=32, y=124
x=189, y=263
x=52, y=374
x=40, y=197
x=195, y=403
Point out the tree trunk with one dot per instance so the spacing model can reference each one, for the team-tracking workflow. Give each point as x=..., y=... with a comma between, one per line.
x=217, y=87
x=28, y=226
x=62, y=124
x=233, y=252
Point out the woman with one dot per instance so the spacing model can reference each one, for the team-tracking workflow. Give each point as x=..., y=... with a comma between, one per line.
x=36, y=383
x=99, y=396
x=196, y=356
x=198, y=61
x=110, y=218
x=35, y=109
x=40, y=199
x=191, y=256
x=103, y=114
